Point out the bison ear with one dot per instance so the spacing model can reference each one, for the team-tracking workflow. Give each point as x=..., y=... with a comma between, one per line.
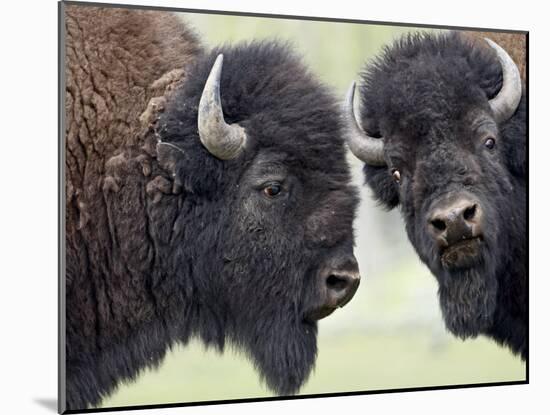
x=382, y=185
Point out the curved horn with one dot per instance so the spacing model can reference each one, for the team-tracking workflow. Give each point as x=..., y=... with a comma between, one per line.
x=222, y=140
x=364, y=147
x=507, y=100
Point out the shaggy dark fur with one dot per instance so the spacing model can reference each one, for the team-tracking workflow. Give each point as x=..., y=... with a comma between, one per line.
x=427, y=95
x=178, y=244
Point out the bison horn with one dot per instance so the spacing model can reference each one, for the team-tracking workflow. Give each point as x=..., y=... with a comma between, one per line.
x=507, y=100
x=222, y=140
x=364, y=147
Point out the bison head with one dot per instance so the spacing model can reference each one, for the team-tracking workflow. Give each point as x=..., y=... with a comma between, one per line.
x=263, y=234
x=442, y=133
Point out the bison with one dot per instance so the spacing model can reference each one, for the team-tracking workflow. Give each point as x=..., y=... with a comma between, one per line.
x=222, y=211
x=442, y=132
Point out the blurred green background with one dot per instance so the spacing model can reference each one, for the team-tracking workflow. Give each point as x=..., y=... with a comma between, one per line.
x=391, y=335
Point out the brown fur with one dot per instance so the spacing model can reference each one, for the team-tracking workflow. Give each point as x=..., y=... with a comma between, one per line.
x=117, y=61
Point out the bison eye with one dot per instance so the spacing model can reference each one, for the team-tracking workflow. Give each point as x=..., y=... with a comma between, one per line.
x=490, y=143
x=272, y=189
x=396, y=175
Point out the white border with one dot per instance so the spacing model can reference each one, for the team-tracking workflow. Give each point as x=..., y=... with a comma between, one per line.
x=28, y=173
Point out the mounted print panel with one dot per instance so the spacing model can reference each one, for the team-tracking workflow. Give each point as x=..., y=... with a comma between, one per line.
x=262, y=207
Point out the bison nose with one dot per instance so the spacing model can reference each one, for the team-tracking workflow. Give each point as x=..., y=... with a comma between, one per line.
x=341, y=284
x=338, y=282
x=455, y=220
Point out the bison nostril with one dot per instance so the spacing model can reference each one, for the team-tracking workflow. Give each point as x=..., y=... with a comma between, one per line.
x=470, y=212
x=340, y=288
x=439, y=224
x=336, y=282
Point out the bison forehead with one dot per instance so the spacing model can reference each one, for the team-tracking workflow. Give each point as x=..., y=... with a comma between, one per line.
x=425, y=77
x=415, y=102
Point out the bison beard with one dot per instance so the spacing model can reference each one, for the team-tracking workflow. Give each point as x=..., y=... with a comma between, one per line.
x=468, y=299
x=283, y=351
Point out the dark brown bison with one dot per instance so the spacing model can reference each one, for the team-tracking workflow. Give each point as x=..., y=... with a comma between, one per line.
x=223, y=211
x=442, y=132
